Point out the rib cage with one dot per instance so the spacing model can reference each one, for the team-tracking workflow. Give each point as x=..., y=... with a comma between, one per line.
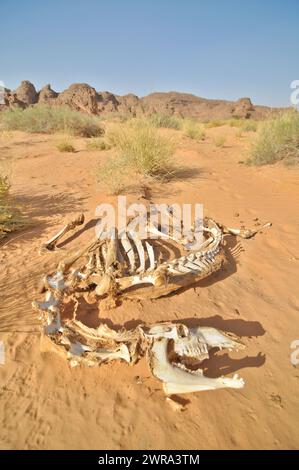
x=141, y=259
x=136, y=267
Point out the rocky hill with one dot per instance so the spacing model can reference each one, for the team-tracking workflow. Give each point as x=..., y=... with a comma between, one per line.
x=83, y=97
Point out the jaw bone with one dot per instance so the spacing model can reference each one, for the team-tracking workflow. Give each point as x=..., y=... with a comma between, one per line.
x=177, y=380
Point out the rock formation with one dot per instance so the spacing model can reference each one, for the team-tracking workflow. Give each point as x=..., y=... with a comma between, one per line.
x=83, y=97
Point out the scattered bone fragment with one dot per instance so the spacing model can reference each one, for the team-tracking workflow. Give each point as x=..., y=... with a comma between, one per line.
x=243, y=232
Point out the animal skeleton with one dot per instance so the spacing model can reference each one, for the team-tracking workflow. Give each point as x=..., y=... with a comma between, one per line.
x=124, y=265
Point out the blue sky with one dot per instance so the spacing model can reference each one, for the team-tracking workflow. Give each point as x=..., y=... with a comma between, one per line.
x=216, y=49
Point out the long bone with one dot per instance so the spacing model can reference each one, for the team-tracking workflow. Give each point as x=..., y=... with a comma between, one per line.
x=244, y=233
x=51, y=244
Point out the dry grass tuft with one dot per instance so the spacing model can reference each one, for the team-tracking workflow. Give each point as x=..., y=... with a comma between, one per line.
x=65, y=145
x=10, y=217
x=277, y=139
x=220, y=140
x=194, y=130
x=97, y=143
x=51, y=119
x=166, y=121
x=141, y=152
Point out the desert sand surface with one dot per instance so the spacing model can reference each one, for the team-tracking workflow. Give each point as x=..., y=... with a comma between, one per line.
x=46, y=404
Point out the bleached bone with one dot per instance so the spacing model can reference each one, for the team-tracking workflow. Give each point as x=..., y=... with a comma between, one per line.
x=245, y=233
x=105, y=259
x=94, y=346
x=101, y=354
x=140, y=267
x=151, y=256
x=51, y=244
x=217, y=339
x=141, y=255
x=177, y=380
x=127, y=246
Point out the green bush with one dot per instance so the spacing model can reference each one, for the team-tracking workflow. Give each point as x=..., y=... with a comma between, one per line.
x=277, y=139
x=51, y=119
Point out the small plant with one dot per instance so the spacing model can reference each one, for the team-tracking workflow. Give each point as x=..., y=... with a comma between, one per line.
x=65, y=146
x=51, y=119
x=97, y=143
x=193, y=130
x=277, y=139
x=220, y=140
x=163, y=120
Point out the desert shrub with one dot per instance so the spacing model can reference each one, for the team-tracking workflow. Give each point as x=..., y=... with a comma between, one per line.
x=143, y=148
x=10, y=217
x=65, y=145
x=163, y=120
x=51, y=119
x=215, y=123
x=193, y=130
x=140, y=152
x=96, y=143
x=220, y=140
x=249, y=126
x=113, y=174
x=4, y=186
x=277, y=139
